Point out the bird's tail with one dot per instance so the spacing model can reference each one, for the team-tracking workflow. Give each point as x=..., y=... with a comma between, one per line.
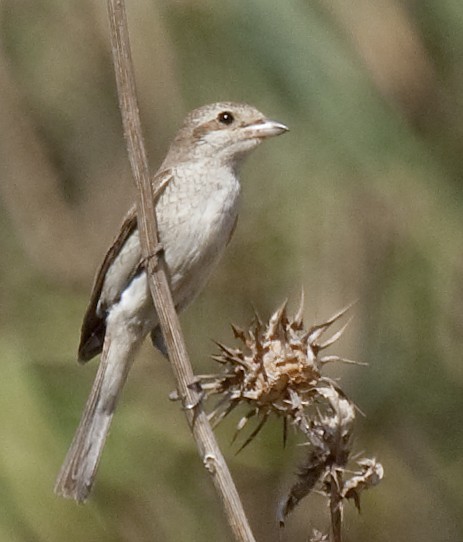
x=78, y=471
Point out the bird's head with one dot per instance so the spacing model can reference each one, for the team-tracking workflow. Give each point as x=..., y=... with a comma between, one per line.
x=223, y=131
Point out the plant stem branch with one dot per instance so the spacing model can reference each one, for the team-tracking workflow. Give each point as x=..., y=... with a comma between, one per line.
x=336, y=504
x=157, y=277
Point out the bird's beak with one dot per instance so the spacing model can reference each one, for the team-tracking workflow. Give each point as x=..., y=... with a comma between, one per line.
x=264, y=128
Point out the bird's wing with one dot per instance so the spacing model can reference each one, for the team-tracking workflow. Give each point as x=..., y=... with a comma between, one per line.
x=120, y=265
x=94, y=323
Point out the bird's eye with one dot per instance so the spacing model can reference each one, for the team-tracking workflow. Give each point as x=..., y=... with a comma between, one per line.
x=225, y=117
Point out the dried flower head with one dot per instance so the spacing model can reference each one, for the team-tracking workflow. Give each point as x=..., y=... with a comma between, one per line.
x=329, y=442
x=369, y=475
x=277, y=369
x=325, y=468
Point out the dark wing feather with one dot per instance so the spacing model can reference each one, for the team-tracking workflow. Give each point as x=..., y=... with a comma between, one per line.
x=94, y=326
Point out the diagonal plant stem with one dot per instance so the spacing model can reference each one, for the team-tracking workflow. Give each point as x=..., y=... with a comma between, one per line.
x=207, y=445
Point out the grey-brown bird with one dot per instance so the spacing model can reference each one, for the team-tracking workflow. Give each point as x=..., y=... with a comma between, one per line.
x=196, y=213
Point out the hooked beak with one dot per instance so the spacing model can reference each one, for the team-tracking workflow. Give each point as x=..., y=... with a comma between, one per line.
x=264, y=128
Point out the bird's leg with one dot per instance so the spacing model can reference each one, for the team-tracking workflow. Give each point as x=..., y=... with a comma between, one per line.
x=201, y=394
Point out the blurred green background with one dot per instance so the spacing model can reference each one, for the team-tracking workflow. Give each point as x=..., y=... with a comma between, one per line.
x=361, y=200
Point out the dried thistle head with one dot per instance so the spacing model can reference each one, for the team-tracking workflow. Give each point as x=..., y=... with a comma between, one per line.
x=277, y=369
x=329, y=441
x=370, y=474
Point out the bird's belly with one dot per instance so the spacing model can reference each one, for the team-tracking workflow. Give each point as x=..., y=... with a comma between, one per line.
x=194, y=250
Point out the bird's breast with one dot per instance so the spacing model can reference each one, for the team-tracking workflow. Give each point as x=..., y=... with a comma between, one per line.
x=196, y=216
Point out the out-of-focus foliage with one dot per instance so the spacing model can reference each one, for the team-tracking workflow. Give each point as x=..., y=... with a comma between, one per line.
x=362, y=199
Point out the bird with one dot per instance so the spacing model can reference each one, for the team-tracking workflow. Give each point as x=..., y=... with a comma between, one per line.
x=197, y=212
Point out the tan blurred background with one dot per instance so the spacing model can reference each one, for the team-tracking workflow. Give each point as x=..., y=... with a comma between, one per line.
x=361, y=200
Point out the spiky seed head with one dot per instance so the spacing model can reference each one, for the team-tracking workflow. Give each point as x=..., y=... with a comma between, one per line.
x=276, y=369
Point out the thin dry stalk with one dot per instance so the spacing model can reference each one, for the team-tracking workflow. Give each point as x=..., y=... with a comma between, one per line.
x=335, y=499
x=158, y=282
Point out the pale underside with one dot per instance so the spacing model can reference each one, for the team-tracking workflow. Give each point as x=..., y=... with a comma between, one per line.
x=195, y=225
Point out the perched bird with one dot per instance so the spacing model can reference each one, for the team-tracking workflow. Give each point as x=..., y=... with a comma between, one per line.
x=196, y=213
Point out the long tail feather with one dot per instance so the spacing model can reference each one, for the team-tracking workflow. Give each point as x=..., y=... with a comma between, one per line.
x=78, y=471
